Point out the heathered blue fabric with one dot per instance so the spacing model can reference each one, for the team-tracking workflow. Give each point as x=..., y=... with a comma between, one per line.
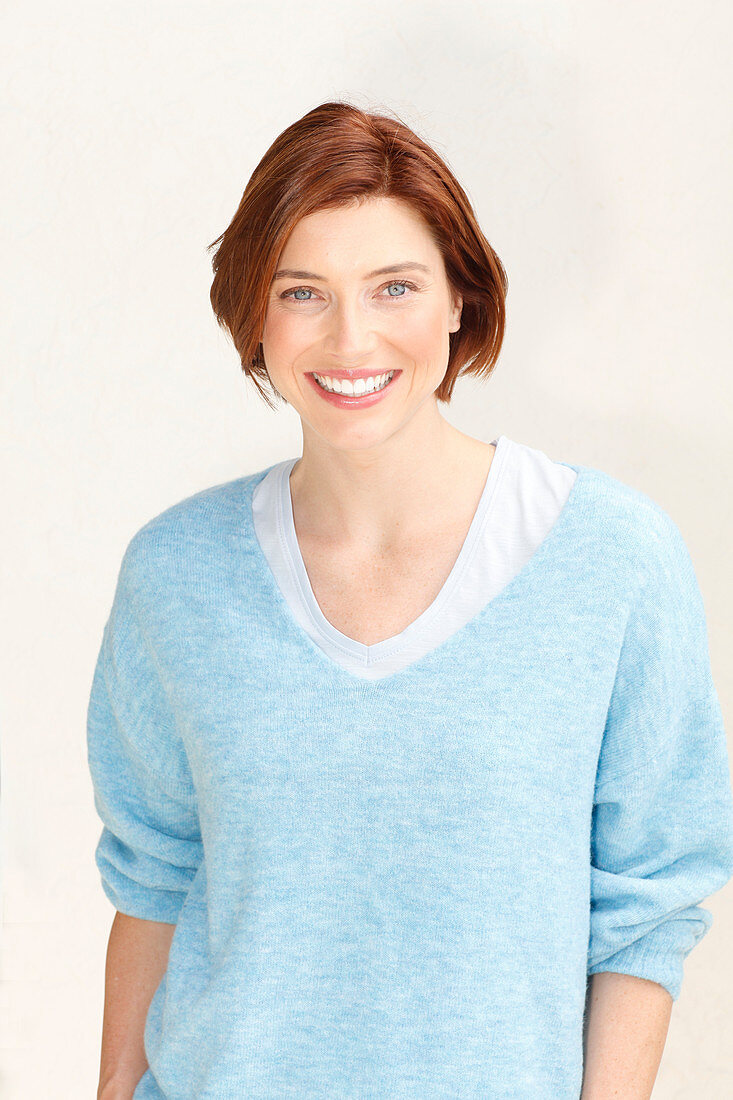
x=397, y=888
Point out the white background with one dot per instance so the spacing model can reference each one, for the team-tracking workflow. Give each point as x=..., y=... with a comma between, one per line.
x=594, y=140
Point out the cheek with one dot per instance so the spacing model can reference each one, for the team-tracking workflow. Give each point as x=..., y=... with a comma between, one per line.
x=273, y=332
x=283, y=349
x=421, y=338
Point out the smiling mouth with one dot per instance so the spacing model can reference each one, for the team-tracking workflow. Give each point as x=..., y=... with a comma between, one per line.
x=359, y=387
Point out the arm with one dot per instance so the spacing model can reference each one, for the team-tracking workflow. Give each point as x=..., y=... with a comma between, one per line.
x=150, y=847
x=137, y=955
x=625, y=1031
x=661, y=822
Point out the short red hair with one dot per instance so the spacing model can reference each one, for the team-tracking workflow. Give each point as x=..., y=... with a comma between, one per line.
x=334, y=155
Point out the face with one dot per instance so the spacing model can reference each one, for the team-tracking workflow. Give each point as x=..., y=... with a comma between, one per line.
x=358, y=319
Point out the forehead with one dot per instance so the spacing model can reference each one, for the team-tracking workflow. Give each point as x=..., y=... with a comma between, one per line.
x=361, y=233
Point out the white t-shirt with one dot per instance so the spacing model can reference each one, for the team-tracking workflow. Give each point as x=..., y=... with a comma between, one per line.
x=524, y=493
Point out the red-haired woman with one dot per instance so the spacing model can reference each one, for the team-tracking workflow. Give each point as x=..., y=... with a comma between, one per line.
x=398, y=741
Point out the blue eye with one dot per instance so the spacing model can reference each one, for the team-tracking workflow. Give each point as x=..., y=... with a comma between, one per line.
x=405, y=287
x=290, y=294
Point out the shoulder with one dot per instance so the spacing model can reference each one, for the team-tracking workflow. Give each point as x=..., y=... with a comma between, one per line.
x=638, y=556
x=631, y=524
x=201, y=529
x=607, y=516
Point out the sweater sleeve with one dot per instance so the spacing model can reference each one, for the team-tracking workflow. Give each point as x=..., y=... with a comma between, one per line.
x=150, y=844
x=662, y=818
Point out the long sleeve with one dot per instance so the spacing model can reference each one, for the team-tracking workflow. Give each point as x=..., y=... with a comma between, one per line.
x=662, y=820
x=150, y=845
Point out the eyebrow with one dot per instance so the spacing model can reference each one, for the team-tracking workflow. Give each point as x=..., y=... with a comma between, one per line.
x=294, y=273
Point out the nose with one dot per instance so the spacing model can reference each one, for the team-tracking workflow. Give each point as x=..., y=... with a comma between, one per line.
x=349, y=338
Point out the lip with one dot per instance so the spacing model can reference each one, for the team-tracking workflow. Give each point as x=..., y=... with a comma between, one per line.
x=343, y=401
x=365, y=372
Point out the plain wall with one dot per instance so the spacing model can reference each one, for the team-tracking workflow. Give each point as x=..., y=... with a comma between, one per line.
x=594, y=141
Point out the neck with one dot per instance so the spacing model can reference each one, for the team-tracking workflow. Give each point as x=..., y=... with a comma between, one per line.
x=379, y=497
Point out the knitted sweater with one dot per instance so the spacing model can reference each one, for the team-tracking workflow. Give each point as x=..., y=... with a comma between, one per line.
x=397, y=888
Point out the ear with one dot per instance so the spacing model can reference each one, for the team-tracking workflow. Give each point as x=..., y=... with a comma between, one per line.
x=455, y=316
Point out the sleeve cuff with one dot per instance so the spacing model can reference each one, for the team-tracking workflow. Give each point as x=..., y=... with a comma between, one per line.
x=138, y=901
x=659, y=955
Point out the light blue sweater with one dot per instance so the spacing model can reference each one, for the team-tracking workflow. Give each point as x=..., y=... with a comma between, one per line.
x=396, y=889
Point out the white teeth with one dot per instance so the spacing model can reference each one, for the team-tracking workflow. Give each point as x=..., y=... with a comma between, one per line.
x=356, y=388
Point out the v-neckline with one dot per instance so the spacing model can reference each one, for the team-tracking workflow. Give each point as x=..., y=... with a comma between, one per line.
x=519, y=578
x=365, y=654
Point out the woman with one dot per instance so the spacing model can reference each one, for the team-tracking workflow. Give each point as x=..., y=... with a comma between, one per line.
x=397, y=742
